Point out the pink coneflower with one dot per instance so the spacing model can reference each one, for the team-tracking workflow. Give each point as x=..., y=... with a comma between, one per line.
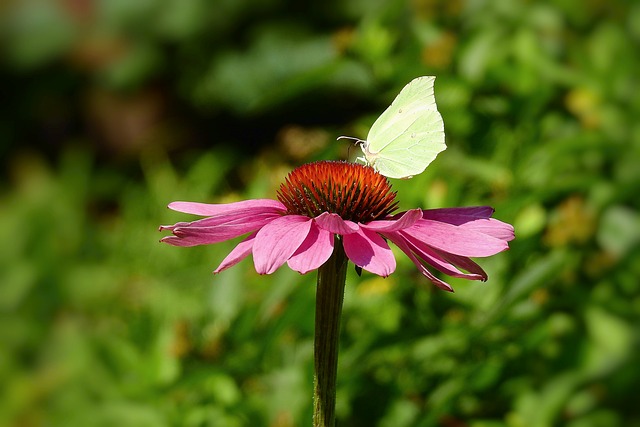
x=324, y=202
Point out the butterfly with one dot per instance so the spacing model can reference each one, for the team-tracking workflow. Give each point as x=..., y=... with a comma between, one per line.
x=408, y=135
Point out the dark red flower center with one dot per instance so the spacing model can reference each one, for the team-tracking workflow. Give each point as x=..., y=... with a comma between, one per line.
x=353, y=191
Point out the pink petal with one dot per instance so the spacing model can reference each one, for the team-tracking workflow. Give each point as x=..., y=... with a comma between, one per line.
x=464, y=263
x=222, y=226
x=236, y=217
x=206, y=209
x=400, y=241
x=335, y=224
x=399, y=222
x=176, y=241
x=172, y=227
x=370, y=251
x=313, y=252
x=454, y=239
x=457, y=216
x=240, y=252
x=491, y=227
x=209, y=235
x=437, y=260
x=278, y=240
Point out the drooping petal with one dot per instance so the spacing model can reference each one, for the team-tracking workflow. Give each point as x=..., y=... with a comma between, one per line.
x=313, y=252
x=457, y=216
x=370, y=251
x=278, y=240
x=401, y=243
x=464, y=263
x=400, y=222
x=491, y=227
x=208, y=235
x=236, y=217
x=206, y=209
x=240, y=252
x=335, y=224
x=436, y=259
x=456, y=240
x=174, y=226
x=221, y=226
x=176, y=241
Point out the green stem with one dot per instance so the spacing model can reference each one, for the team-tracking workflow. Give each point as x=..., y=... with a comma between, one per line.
x=329, y=297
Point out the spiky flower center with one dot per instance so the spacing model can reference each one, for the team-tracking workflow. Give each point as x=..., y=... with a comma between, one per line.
x=355, y=192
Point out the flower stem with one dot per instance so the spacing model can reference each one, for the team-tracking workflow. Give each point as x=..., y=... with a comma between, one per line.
x=329, y=298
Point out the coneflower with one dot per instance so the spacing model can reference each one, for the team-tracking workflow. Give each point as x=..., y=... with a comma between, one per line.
x=329, y=212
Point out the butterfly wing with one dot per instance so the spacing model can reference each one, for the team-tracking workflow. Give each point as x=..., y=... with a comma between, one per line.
x=409, y=134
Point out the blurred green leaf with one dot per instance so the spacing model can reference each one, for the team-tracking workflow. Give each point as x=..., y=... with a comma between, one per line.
x=620, y=230
x=37, y=32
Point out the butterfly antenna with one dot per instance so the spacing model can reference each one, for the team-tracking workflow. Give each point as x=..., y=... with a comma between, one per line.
x=356, y=140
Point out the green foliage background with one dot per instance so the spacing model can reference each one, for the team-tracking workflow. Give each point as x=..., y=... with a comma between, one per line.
x=114, y=108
